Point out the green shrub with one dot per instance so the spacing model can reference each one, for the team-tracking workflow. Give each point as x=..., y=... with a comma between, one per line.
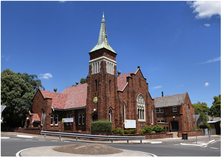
x=101, y=125
x=142, y=131
x=148, y=129
x=152, y=132
x=117, y=131
x=158, y=128
x=130, y=131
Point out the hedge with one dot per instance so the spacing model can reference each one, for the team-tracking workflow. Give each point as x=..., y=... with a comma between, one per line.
x=101, y=125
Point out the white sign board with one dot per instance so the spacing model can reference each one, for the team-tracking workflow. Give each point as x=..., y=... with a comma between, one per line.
x=196, y=117
x=66, y=120
x=130, y=123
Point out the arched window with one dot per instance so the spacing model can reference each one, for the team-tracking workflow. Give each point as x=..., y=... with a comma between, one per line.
x=79, y=119
x=56, y=119
x=52, y=119
x=42, y=117
x=124, y=115
x=95, y=85
x=110, y=115
x=82, y=118
x=141, y=108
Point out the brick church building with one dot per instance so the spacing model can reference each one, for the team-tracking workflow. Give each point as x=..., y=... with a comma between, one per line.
x=108, y=94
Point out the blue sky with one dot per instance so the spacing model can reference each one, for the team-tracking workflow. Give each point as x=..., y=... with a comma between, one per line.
x=176, y=44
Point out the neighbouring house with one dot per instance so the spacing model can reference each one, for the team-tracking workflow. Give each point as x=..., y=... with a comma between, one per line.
x=215, y=125
x=110, y=95
x=175, y=112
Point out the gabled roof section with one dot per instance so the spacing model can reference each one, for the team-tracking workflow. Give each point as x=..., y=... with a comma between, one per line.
x=122, y=80
x=58, y=99
x=103, y=41
x=76, y=96
x=35, y=117
x=169, y=101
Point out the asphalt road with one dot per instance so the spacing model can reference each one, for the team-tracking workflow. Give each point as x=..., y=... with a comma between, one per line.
x=9, y=147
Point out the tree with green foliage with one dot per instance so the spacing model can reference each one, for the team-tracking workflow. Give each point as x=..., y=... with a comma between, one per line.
x=17, y=93
x=202, y=107
x=84, y=80
x=215, y=108
x=202, y=110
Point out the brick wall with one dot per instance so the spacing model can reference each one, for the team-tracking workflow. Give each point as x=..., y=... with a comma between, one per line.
x=191, y=133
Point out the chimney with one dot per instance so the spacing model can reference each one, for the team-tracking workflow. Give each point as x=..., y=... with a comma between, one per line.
x=119, y=72
x=76, y=83
x=162, y=93
x=55, y=90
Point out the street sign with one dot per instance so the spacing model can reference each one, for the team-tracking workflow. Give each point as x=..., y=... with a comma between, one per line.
x=196, y=117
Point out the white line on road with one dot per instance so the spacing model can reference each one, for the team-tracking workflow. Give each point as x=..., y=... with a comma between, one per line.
x=213, y=148
x=24, y=136
x=156, y=142
x=66, y=141
x=5, y=137
x=54, y=140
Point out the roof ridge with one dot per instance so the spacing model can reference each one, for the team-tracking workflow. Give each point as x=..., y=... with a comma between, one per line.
x=169, y=95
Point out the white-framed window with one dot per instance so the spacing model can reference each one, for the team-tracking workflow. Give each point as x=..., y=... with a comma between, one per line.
x=52, y=119
x=56, y=119
x=159, y=110
x=174, y=109
x=82, y=118
x=110, y=115
x=79, y=119
x=161, y=121
x=141, y=108
x=96, y=67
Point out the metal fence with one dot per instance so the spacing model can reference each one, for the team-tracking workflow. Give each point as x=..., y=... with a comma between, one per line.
x=110, y=137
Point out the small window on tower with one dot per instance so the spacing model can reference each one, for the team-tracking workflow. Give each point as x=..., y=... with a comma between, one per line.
x=95, y=85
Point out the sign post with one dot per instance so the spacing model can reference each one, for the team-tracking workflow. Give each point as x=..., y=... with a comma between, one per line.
x=196, y=118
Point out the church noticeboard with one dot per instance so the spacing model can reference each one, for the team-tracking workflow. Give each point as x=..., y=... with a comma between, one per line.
x=66, y=120
x=95, y=100
x=130, y=124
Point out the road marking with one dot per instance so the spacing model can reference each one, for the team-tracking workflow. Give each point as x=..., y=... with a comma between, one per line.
x=24, y=136
x=28, y=139
x=54, y=140
x=5, y=137
x=41, y=139
x=66, y=141
x=213, y=148
x=18, y=153
x=156, y=142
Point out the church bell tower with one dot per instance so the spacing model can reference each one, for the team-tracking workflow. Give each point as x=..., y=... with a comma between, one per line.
x=102, y=81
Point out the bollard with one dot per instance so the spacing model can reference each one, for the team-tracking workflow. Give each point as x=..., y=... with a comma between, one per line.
x=59, y=137
x=127, y=141
x=111, y=141
x=141, y=141
x=45, y=136
x=76, y=138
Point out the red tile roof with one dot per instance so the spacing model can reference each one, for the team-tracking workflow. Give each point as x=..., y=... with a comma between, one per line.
x=35, y=117
x=77, y=96
x=58, y=99
x=122, y=80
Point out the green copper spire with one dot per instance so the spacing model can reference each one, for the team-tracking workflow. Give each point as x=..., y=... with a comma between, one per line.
x=102, y=41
